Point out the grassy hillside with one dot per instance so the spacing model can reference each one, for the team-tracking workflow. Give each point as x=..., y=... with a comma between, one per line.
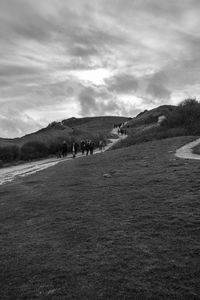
x=181, y=120
x=70, y=233
x=147, y=133
x=145, y=127
x=68, y=128
x=48, y=141
x=151, y=116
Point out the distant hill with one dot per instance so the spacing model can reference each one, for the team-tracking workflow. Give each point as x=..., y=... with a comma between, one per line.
x=163, y=122
x=151, y=116
x=72, y=128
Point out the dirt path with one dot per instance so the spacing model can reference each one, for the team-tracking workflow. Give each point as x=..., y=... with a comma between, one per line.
x=10, y=173
x=186, y=151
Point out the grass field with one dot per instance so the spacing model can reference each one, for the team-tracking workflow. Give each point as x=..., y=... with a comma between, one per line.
x=196, y=149
x=70, y=233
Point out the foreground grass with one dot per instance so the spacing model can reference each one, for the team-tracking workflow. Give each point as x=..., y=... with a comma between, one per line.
x=196, y=149
x=70, y=233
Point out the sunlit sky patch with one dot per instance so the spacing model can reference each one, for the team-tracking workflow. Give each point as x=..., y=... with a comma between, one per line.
x=61, y=58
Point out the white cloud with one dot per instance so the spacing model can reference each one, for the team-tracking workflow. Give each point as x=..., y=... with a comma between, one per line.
x=60, y=58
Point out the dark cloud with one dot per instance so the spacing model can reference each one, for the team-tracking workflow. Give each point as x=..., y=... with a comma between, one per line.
x=158, y=91
x=24, y=20
x=122, y=83
x=156, y=86
x=18, y=70
x=88, y=102
x=96, y=101
x=84, y=51
x=53, y=53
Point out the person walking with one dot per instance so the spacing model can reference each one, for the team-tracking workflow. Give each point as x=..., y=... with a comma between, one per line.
x=91, y=147
x=73, y=150
x=64, y=149
x=83, y=147
x=76, y=146
x=101, y=145
x=87, y=147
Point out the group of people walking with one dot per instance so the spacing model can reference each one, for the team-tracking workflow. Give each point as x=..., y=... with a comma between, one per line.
x=86, y=147
x=121, y=131
x=121, y=128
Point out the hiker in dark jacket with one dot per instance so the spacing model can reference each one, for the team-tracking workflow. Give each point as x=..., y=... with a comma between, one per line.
x=87, y=147
x=76, y=147
x=83, y=146
x=91, y=147
x=64, y=149
x=101, y=145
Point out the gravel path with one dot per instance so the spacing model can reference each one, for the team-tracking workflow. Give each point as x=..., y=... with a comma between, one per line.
x=186, y=151
x=10, y=173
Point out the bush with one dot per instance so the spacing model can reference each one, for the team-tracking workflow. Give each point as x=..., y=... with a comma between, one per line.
x=33, y=150
x=186, y=115
x=9, y=153
x=151, y=119
x=1, y=163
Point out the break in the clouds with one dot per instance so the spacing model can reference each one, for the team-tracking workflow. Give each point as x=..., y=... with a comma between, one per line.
x=61, y=58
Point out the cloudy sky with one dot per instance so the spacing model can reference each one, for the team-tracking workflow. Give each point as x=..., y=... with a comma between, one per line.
x=61, y=58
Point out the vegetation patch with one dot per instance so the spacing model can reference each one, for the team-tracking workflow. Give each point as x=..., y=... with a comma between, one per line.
x=182, y=120
x=48, y=141
x=196, y=150
x=70, y=233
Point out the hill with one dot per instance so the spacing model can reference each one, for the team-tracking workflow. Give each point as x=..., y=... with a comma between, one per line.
x=163, y=122
x=70, y=233
x=68, y=128
x=151, y=116
x=48, y=141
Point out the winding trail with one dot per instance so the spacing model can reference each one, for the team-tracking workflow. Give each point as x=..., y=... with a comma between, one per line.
x=8, y=174
x=185, y=152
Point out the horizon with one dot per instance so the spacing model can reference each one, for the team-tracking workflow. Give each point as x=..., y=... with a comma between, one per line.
x=72, y=117
x=90, y=59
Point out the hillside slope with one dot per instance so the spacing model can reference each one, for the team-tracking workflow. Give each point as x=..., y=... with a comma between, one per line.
x=151, y=116
x=71, y=233
x=69, y=128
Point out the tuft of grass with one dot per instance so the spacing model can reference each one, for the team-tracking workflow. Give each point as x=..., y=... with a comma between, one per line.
x=196, y=149
x=70, y=233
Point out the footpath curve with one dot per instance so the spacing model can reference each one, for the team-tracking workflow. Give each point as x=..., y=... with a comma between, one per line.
x=185, y=152
x=8, y=174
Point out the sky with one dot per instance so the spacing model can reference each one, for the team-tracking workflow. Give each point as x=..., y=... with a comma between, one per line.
x=62, y=59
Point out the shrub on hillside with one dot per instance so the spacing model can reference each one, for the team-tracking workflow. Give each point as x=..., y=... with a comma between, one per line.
x=33, y=150
x=151, y=119
x=186, y=115
x=1, y=163
x=55, y=146
x=9, y=153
